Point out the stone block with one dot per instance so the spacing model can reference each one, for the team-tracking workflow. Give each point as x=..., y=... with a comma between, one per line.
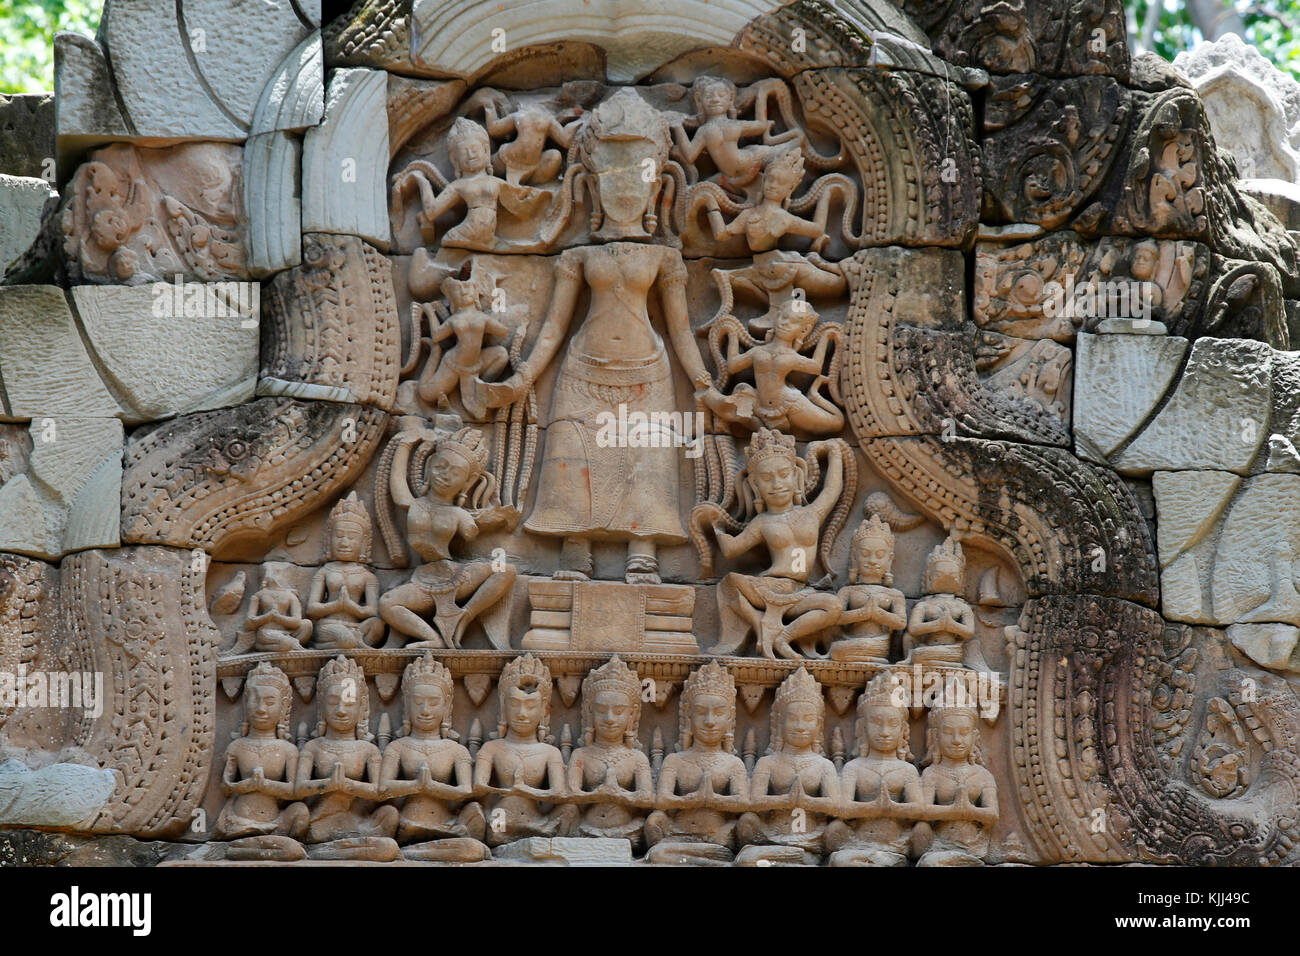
x=26, y=134
x=59, y=795
x=1217, y=416
x=571, y=851
x=22, y=200
x=214, y=56
x=345, y=160
x=68, y=498
x=1119, y=379
x=43, y=362
x=173, y=348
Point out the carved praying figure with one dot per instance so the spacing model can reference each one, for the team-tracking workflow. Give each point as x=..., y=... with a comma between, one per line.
x=464, y=364
x=941, y=621
x=794, y=768
x=261, y=765
x=882, y=778
x=275, y=623
x=340, y=767
x=520, y=764
x=778, y=605
x=959, y=793
x=610, y=763
x=788, y=384
x=427, y=766
x=704, y=782
x=344, y=600
x=873, y=610
x=460, y=501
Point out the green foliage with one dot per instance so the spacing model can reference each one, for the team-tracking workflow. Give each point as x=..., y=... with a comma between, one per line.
x=1272, y=27
x=27, y=29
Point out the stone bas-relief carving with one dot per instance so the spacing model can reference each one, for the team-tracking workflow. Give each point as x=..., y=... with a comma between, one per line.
x=625, y=480
x=352, y=787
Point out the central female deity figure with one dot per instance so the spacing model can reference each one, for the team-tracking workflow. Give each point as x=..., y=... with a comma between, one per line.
x=616, y=359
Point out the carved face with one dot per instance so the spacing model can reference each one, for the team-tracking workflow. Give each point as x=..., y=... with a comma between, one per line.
x=449, y=473
x=715, y=98
x=624, y=149
x=709, y=719
x=611, y=715
x=426, y=707
x=523, y=711
x=349, y=540
x=956, y=736
x=885, y=729
x=874, y=556
x=471, y=155
x=1145, y=257
x=262, y=706
x=799, y=724
x=626, y=173
x=342, y=707
x=781, y=178
x=795, y=320
x=776, y=480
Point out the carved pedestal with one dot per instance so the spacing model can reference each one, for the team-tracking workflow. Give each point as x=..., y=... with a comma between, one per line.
x=610, y=616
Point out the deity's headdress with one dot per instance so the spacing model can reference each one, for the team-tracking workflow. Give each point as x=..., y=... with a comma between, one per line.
x=788, y=162
x=268, y=675
x=945, y=568
x=425, y=671
x=346, y=673
x=799, y=687
x=470, y=445
x=351, y=509
x=712, y=680
x=873, y=527
x=702, y=85
x=529, y=674
x=884, y=690
x=770, y=443
x=617, y=676
x=464, y=130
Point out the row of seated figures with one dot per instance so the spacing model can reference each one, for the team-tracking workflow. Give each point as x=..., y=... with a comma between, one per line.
x=781, y=608
x=424, y=796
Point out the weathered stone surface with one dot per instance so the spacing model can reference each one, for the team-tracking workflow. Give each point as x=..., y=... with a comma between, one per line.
x=1119, y=379
x=43, y=360
x=215, y=56
x=293, y=99
x=169, y=349
x=59, y=795
x=345, y=160
x=22, y=201
x=591, y=851
x=332, y=330
x=134, y=215
x=1226, y=547
x=636, y=38
x=1254, y=108
x=27, y=134
x=65, y=500
x=1269, y=645
x=1053, y=37
x=1217, y=416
